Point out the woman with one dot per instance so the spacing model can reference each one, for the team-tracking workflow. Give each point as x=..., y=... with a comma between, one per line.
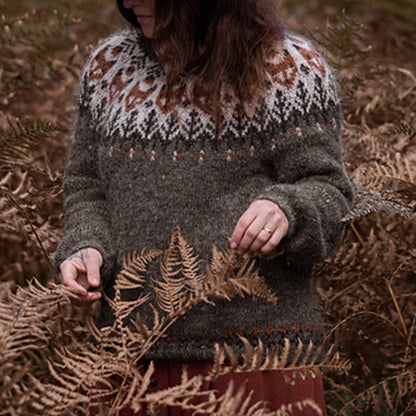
x=208, y=115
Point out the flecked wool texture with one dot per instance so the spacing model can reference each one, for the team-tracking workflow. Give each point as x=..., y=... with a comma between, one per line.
x=136, y=170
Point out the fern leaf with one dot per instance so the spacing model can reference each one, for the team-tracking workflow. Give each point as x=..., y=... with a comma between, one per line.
x=369, y=201
x=19, y=136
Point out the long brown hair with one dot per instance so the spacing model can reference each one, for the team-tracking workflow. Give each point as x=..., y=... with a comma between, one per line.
x=218, y=41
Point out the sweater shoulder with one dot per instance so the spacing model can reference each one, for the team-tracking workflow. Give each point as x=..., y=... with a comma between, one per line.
x=298, y=58
x=123, y=51
x=118, y=48
x=300, y=78
x=295, y=61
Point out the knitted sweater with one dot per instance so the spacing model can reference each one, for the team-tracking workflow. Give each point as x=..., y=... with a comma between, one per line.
x=136, y=170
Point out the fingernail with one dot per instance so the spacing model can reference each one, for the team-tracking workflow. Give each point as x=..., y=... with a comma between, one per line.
x=233, y=244
x=94, y=281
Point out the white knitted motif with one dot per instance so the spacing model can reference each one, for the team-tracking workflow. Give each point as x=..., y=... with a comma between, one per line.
x=124, y=88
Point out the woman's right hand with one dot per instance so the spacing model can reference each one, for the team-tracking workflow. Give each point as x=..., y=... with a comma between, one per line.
x=81, y=271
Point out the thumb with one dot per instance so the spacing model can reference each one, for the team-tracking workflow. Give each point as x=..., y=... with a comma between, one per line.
x=69, y=276
x=93, y=271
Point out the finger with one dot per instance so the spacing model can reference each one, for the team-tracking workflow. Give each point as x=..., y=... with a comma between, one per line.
x=273, y=241
x=281, y=231
x=87, y=300
x=93, y=271
x=267, y=230
x=251, y=234
x=261, y=239
x=69, y=275
x=242, y=224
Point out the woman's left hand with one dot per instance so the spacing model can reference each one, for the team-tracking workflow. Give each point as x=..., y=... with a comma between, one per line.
x=260, y=228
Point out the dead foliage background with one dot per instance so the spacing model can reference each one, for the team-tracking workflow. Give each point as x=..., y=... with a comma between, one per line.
x=367, y=290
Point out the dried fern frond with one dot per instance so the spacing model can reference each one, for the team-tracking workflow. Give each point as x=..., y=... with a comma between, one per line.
x=181, y=286
x=170, y=287
x=385, y=180
x=393, y=201
x=32, y=35
x=302, y=366
x=342, y=42
x=16, y=139
x=135, y=265
x=178, y=288
x=45, y=374
x=194, y=395
x=30, y=330
x=229, y=275
x=392, y=395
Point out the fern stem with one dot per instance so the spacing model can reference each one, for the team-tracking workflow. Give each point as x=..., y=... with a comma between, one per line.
x=363, y=313
x=23, y=211
x=406, y=355
x=357, y=234
x=412, y=331
x=168, y=321
x=397, y=307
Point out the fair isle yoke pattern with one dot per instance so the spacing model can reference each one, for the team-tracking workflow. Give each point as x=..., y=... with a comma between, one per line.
x=135, y=171
x=300, y=83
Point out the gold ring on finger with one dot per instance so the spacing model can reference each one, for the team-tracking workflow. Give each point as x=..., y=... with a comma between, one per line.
x=268, y=230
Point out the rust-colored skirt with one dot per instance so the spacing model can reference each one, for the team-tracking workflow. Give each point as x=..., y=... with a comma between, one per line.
x=304, y=395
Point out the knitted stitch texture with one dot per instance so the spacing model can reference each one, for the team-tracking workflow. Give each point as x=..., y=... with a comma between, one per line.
x=136, y=170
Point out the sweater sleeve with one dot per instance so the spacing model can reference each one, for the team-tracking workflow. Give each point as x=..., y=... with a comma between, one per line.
x=312, y=186
x=86, y=216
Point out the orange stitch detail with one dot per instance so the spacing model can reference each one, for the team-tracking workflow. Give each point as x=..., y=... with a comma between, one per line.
x=284, y=72
x=99, y=66
x=255, y=331
x=283, y=329
x=136, y=96
x=115, y=51
x=229, y=155
x=175, y=155
x=298, y=132
x=153, y=155
x=201, y=156
x=240, y=332
x=116, y=87
x=297, y=328
x=269, y=330
x=211, y=335
x=131, y=153
x=225, y=334
x=177, y=96
x=273, y=144
x=313, y=59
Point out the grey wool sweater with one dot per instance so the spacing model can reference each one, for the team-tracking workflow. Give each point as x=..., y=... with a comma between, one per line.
x=135, y=171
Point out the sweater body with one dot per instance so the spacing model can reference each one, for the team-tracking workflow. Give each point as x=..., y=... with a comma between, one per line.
x=137, y=170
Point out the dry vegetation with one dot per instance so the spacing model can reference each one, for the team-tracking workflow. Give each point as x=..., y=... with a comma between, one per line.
x=367, y=290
